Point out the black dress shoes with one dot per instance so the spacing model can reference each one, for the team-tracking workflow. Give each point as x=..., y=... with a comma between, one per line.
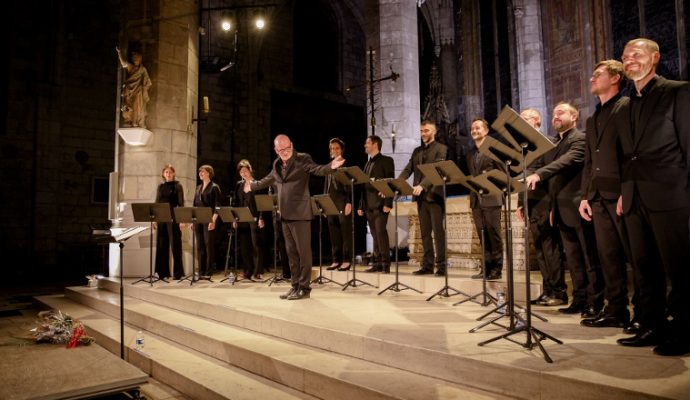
x=334, y=266
x=480, y=275
x=375, y=268
x=299, y=294
x=289, y=293
x=440, y=272
x=386, y=269
x=644, y=337
x=493, y=276
x=632, y=328
x=573, y=308
x=604, y=322
x=423, y=271
x=553, y=302
x=589, y=311
x=344, y=267
x=672, y=348
x=540, y=300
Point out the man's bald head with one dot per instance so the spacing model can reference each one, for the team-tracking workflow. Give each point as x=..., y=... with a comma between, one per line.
x=283, y=147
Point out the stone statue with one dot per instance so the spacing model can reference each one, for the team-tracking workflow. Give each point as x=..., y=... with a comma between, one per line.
x=135, y=92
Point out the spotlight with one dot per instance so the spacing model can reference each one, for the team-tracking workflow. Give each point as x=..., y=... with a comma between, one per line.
x=260, y=23
x=226, y=20
x=259, y=18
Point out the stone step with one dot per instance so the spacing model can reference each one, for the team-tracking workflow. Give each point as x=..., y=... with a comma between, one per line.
x=190, y=372
x=316, y=372
x=405, y=332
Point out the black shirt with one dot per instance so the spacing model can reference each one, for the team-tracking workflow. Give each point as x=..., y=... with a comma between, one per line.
x=637, y=103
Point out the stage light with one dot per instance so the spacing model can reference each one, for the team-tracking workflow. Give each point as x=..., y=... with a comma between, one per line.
x=259, y=18
x=226, y=20
x=260, y=23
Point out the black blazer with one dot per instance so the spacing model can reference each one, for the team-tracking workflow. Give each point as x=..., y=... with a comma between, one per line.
x=241, y=199
x=294, y=199
x=655, y=157
x=437, y=152
x=562, y=173
x=476, y=164
x=339, y=193
x=601, y=173
x=209, y=197
x=381, y=167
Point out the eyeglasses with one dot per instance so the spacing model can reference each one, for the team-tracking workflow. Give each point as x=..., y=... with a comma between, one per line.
x=284, y=150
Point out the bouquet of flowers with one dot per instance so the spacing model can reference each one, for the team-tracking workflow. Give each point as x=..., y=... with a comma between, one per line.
x=56, y=327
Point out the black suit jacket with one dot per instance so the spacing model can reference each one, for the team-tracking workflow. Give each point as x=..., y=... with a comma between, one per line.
x=476, y=164
x=381, y=167
x=601, y=173
x=436, y=152
x=294, y=199
x=655, y=156
x=562, y=173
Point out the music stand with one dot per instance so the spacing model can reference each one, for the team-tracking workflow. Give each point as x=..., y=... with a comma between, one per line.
x=264, y=203
x=528, y=139
x=151, y=212
x=352, y=176
x=444, y=173
x=235, y=215
x=120, y=238
x=322, y=206
x=481, y=187
x=193, y=215
x=395, y=188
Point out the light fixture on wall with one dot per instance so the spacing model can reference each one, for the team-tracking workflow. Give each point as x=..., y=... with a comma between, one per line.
x=259, y=19
x=227, y=20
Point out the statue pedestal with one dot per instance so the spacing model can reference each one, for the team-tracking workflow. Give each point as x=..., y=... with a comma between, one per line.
x=464, y=246
x=135, y=136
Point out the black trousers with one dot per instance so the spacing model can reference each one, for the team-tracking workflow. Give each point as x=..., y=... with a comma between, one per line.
x=340, y=231
x=580, y=256
x=169, y=235
x=489, y=219
x=378, y=220
x=659, y=243
x=431, y=220
x=250, y=248
x=205, y=248
x=611, y=245
x=298, y=247
x=549, y=254
x=282, y=251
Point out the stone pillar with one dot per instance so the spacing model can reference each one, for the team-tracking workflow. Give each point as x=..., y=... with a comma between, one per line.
x=399, y=100
x=530, y=57
x=170, y=51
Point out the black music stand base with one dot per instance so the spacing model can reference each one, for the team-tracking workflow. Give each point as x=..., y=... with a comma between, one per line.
x=534, y=338
x=353, y=282
x=151, y=279
x=399, y=287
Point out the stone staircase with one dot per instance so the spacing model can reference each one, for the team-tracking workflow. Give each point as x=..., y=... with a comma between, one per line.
x=217, y=341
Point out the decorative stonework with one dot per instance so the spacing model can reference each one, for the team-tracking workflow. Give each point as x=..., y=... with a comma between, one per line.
x=464, y=247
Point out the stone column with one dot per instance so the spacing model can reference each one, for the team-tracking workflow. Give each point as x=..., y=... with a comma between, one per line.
x=170, y=51
x=530, y=57
x=399, y=100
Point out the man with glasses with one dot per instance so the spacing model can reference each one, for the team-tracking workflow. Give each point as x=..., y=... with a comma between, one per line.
x=290, y=177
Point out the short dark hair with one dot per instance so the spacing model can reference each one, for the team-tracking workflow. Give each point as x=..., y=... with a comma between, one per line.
x=339, y=142
x=377, y=140
x=482, y=120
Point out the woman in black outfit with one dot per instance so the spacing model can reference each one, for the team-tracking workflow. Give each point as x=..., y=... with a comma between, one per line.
x=339, y=226
x=207, y=194
x=169, y=234
x=249, y=233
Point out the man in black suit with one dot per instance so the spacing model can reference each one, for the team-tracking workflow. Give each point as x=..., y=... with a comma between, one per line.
x=562, y=173
x=601, y=189
x=430, y=201
x=290, y=176
x=486, y=209
x=546, y=238
x=339, y=226
x=374, y=206
x=654, y=136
